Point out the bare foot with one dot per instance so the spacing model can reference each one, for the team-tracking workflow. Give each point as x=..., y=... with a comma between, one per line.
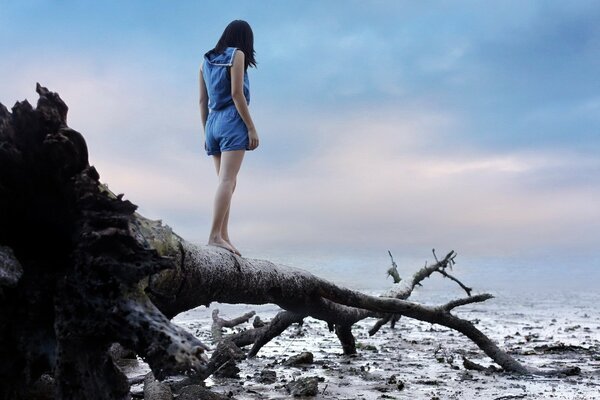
x=236, y=251
x=219, y=242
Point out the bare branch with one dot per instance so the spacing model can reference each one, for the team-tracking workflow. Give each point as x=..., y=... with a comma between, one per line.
x=467, y=300
x=393, y=270
x=408, y=286
x=447, y=275
x=220, y=323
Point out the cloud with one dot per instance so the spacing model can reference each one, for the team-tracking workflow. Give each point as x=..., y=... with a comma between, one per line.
x=373, y=134
x=378, y=185
x=370, y=177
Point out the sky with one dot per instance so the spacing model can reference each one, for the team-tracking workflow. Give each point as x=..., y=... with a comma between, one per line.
x=400, y=125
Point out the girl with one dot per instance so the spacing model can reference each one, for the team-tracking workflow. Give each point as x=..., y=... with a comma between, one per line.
x=228, y=127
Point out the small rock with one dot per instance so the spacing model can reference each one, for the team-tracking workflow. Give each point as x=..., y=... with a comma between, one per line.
x=431, y=382
x=179, y=384
x=156, y=390
x=302, y=358
x=226, y=355
x=466, y=376
x=258, y=323
x=572, y=371
x=304, y=386
x=572, y=328
x=228, y=370
x=267, y=376
x=197, y=392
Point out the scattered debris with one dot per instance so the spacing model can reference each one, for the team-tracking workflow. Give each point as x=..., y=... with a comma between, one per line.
x=302, y=358
x=304, y=386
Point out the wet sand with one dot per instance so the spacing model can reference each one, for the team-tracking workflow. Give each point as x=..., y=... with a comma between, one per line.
x=422, y=361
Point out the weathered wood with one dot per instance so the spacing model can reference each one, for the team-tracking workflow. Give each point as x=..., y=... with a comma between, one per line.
x=73, y=276
x=252, y=281
x=406, y=287
x=220, y=323
x=156, y=390
x=344, y=334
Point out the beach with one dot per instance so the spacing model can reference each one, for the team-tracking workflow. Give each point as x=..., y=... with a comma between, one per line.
x=417, y=360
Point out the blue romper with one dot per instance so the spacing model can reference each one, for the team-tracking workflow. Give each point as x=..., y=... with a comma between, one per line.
x=225, y=130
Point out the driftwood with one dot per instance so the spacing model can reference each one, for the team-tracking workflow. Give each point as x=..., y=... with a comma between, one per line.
x=220, y=323
x=80, y=270
x=404, y=290
x=259, y=337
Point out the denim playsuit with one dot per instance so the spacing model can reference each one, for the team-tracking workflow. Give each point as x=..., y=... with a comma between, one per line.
x=225, y=130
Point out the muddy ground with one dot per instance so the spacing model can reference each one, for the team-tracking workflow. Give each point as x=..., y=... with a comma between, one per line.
x=423, y=361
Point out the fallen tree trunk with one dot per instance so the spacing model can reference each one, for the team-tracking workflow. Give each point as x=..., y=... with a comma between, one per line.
x=80, y=270
x=252, y=281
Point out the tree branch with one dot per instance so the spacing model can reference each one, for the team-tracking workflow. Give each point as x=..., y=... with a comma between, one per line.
x=220, y=323
x=467, y=300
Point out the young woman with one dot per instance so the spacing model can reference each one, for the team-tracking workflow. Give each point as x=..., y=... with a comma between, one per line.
x=228, y=127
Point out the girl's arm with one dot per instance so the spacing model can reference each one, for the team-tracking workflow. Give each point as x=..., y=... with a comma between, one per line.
x=237, y=93
x=203, y=100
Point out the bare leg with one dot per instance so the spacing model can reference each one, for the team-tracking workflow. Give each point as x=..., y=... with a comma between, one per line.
x=224, y=227
x=229, y=166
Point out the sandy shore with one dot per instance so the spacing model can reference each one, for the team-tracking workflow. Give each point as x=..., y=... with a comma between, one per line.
x=420, y=361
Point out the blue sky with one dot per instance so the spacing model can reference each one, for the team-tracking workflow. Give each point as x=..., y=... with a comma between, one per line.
x=386, y=124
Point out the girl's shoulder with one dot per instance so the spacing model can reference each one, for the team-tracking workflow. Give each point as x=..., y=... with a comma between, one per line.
x=236, y=54
x=233, y=50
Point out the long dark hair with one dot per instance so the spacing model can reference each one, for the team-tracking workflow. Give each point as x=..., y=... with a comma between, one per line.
x=238, y=34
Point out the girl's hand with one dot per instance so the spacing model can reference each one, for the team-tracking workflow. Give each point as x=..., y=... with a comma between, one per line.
x=253, y=138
